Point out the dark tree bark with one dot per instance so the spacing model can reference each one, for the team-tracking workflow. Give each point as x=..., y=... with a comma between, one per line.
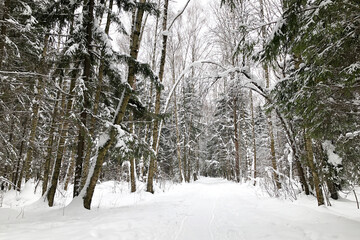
x=236, y=141
x=96, y=102
x=313, y=168
x=327, y=175
x=35, y=111
x=111, y=137
x=3, y=30
x=49, y=154
x=18, y=172
x=61, y=144
x=89, y=23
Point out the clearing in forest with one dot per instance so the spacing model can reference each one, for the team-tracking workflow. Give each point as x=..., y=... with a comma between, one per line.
x=206, y=210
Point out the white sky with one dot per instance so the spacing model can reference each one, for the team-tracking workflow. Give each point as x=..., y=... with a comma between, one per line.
x=178, y=4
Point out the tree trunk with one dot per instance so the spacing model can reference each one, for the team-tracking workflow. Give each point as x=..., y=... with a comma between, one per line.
x=86, y=162
x=61, y=144
x=253, y=136
x=327, y=175
x=185, y=160
x=236, y=141
x=10, y=174
x=50, y=144
x=272, y=151
x=188, y=175
x=301, y=173
x=197, y=167
x=87, y=74
x=3, y=30
x=178, y=151
x=131, y=118
x=290, y=133
x=151, y=87
x=132, y=158
x=332, y=188
x=246, y=147
x=35, y=112
x=150, y=187
x=132, y=174
x=310, y=159
x=268, y=115
x=18, y=179
x=70, y=170
x=110, y=138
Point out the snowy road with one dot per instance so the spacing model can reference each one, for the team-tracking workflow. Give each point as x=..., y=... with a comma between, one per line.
x=210, y=209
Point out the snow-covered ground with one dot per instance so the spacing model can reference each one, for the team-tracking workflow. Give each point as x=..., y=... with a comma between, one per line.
x=206, y=210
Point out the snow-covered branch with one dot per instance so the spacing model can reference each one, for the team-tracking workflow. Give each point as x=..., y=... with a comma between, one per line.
x=178, y=15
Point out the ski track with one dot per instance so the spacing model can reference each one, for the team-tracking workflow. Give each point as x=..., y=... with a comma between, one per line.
x=181, y=227
x=211, y=220
x=210, y=209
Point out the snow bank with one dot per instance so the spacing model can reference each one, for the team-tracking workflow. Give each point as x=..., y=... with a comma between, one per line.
x=29, y=194
x=111, y=194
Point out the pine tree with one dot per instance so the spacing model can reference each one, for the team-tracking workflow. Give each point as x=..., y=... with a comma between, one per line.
x=110, y=135
x=321, y=78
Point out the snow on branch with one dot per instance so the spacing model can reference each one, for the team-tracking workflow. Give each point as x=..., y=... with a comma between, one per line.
x=183, y=73
x=244, y=70
x=23, y=73
x=5, y=180
x=352, y=135
x=334, y=159
x=178, y=15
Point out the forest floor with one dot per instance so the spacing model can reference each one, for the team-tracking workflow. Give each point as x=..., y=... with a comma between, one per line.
x=208, y=209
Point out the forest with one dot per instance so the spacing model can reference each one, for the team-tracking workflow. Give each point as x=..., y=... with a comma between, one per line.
x=263, y=92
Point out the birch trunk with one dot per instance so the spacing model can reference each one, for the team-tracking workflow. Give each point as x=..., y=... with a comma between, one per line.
x=150, y=187
x=153, y=67
x=253, y=136
x=178, y=152
x=131, y=118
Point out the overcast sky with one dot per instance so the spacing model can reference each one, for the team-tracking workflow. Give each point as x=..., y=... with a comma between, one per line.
x=179, y=4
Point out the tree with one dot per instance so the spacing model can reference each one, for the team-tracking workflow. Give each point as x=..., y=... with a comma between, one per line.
x=321, y=39
x=152, y=164
x=87, y=74
x=108, y=138
x=262, y=143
